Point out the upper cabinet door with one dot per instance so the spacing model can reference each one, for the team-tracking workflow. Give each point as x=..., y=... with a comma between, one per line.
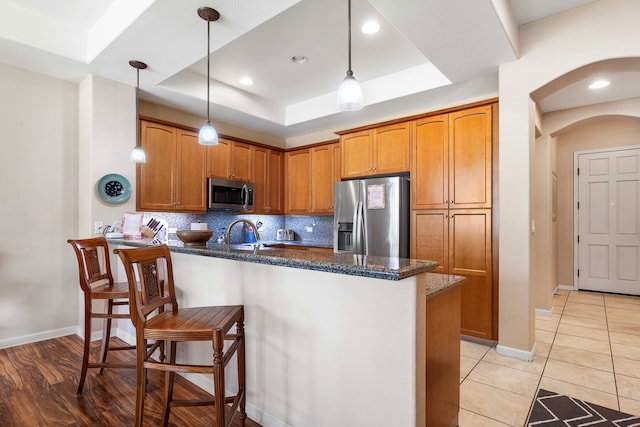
x=219, y=159
x=322, y=179
x=156, y=181
x=260, y=179
x=191, y=194
x=470, y=141
x=274, y=174
x=391, y=146
x=240, y=162
x=430, y=163
x=298, y=179
x=356, y=154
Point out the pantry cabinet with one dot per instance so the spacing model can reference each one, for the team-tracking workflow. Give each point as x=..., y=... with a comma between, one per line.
x=379, y=151
x=174, y=177
x=229, y=160
x=451, y=187
x=267, y=179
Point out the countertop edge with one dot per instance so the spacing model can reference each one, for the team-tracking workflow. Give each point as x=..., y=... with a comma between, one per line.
x=372, y=267
x=440, y=283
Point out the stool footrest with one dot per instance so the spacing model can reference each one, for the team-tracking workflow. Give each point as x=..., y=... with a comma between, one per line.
x=111, y=365
x=176, y=367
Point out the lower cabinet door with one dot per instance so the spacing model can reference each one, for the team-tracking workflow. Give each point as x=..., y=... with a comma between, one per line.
x=459, y=240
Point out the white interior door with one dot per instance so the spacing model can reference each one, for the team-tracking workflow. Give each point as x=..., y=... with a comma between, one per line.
x=608, y=221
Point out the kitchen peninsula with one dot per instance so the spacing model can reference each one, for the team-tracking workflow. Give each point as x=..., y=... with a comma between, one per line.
x=332, y=339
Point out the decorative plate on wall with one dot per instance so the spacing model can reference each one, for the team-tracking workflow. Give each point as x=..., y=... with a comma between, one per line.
x=114, y=188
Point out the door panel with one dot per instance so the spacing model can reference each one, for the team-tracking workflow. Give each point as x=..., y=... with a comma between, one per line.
x=157, y=174
x=470, y=158
x=430, y=167
x=430, y=237
x=609, y=239
x=191, y=194
x=391, y=146
x=470, y=256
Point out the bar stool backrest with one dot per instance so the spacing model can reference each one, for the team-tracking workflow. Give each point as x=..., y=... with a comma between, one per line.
x=150, y=267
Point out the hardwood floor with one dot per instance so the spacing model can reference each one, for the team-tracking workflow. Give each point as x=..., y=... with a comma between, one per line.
x=38, y=388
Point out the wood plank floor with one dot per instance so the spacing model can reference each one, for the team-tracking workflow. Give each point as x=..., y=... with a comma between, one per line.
x=38, y=388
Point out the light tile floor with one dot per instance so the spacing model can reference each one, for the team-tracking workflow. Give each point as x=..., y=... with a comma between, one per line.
x=589, y=349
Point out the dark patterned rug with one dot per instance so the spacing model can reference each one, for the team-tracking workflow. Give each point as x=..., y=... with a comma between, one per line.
x=556, y=410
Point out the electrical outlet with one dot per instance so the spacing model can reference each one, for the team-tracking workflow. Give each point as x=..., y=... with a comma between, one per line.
x=309, y=229
x=98, y=226
x=172, y=230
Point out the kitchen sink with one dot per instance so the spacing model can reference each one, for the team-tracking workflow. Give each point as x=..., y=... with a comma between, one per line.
x=250, y=247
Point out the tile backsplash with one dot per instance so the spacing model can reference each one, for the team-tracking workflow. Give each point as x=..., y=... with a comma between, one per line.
x=312, y=229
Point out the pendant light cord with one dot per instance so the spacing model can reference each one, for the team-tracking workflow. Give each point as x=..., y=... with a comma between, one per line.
x=137, y=108
x=349, y=72
x=208, y=66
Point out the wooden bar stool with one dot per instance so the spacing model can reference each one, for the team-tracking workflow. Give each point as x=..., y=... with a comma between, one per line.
x=96, y=282
x=150, y=267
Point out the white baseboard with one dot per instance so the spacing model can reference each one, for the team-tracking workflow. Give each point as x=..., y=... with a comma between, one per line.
x=40, y=336
x=567, y=287
x=517, y=353
x=543, y=312
x=125, y=336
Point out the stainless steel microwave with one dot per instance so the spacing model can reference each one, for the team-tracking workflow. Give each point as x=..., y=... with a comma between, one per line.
x=231, y=195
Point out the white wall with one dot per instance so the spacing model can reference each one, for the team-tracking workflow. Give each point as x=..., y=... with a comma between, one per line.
x=60, y=139
x=550, y=48
x=39, y=208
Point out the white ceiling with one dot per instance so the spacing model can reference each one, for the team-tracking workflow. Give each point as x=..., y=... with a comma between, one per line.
x=426, y=53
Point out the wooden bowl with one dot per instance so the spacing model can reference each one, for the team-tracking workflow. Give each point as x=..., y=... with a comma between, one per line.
x=194, y=238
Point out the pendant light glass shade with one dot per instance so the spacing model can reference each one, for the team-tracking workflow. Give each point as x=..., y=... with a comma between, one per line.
x=137, y=154
x=349, y=97
x=208, y=134
x=349, y=94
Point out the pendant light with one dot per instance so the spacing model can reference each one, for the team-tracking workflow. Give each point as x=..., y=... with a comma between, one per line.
x=349, y=93
x=137, y=154
x=208, y=134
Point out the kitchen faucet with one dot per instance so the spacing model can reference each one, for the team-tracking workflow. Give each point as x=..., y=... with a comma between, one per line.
x=227, y=236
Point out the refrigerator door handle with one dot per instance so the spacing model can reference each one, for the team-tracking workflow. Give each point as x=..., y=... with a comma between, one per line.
x=356, y=229
x=363, y=231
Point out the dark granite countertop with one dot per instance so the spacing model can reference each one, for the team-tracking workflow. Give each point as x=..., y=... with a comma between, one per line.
x=339, y=263
x=439, y=283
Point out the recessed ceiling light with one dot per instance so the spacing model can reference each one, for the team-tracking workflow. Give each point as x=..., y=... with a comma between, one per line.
x=370, y=27
x=299, y=59
x=599, y=84
x=246, y=81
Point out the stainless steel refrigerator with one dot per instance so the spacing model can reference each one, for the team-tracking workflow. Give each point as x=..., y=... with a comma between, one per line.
x=371, y=217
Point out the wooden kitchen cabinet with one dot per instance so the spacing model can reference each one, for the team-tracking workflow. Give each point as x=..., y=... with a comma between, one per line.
x=325, y=169
x=451, y=160
x=174, y=177
x=267, y=179
x=229, y=160
x=379, y=151
x=298, y=181
x=310, y=177
x=460, y=241
x=451, y=183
